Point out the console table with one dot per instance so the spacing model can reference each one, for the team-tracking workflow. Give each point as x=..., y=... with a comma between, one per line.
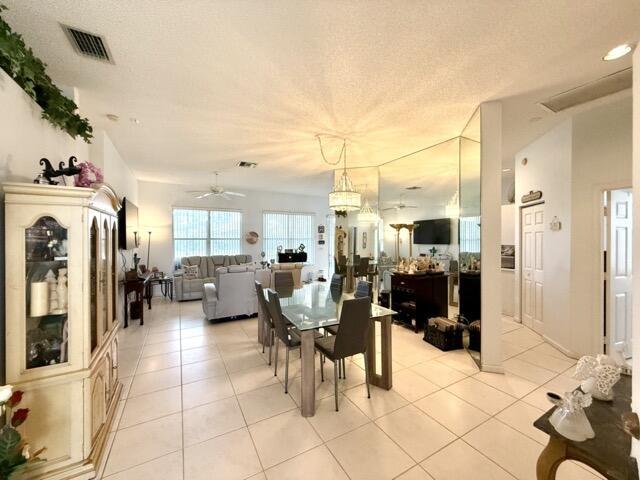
x=608, y=452
x=139, y=287
x=421, y=296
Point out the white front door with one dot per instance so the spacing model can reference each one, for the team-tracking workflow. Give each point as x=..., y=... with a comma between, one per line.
x=532, y=266
x=619, y=292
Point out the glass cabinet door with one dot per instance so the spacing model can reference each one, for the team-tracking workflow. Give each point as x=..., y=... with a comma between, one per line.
x=94, y=238
x=104, y=267
x=114, y=270
x=47, y=299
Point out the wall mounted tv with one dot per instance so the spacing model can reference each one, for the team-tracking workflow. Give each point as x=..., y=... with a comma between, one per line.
x=128, y=226
x=432, y=232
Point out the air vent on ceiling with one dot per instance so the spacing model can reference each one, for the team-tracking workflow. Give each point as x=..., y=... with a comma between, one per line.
x=247, y=164
x=413, y=188
x=616, y=82
x=88, y=44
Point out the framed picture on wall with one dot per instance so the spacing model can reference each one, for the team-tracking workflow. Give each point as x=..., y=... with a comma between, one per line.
x=320, y=228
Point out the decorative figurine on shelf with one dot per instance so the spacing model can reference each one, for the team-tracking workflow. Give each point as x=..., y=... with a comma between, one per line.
x=433, y=250
x=89, y=175
x=49, y=173
x=280, y=249
x=263, y=262
x=301, y=248
x=50, y=278
x=598, y=375
x=61, y=290
x=569, y=418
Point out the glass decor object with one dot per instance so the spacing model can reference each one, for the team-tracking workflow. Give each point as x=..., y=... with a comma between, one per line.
x=598, y=375
x=47, y=297
x=569, y=418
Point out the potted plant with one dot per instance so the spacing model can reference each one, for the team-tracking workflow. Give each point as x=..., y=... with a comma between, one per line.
x=15, y=452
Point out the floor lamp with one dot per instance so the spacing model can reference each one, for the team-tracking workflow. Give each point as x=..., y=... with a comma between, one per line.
x=148, y=250
x=397, y=227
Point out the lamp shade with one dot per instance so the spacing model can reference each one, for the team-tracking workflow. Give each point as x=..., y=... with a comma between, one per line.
x=344, y=196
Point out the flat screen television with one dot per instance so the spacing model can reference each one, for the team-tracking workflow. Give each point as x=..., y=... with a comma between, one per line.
x=128, y=226
x=432, y=232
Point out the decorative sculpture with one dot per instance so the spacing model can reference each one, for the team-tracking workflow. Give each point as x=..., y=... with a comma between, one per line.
x=49, y=173
x=598, y=375
x=569, y=418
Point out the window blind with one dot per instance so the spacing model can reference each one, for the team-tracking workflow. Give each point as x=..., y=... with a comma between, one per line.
x=289, y=230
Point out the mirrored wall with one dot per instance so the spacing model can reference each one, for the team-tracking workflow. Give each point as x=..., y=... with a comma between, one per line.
x=423, y=234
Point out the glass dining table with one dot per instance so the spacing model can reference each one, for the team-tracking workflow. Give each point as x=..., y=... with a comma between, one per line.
x=316, y=306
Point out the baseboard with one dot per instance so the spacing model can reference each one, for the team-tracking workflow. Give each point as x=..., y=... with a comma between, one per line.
x=492, y=368
x=562, y=349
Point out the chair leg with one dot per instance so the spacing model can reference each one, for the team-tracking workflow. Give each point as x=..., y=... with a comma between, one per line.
x=336, y=365
x=275, y=370
x=270, y=343
x=286, y=373
x=344, y=369
x=264, y=338
x=321, y=369
x=366, y=374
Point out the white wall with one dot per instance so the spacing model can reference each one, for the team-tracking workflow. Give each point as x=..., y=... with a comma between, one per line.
x=572, y=164
x=508, y=229
x=155, y=202
x=548, y=169
x=507, y=275
x=602, y=145
x=117, y=173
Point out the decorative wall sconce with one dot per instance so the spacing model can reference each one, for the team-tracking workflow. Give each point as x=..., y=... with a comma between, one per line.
x=555, y=225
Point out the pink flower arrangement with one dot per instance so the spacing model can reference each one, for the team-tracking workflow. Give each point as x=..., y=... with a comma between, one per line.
x=89, y=175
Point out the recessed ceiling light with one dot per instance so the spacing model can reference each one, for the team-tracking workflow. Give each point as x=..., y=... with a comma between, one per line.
x=505, y=170
x=617, y=52
x=135, y=120
x=113, y=117
x=414, y=188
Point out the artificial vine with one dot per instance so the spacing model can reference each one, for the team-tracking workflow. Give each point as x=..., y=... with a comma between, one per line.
x=29, y=72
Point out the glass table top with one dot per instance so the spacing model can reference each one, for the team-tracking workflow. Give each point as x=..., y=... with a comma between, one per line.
x=316, y=306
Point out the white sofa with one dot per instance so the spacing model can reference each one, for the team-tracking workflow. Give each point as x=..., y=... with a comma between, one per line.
x=294, y=268
x=233, y=292
x=191, y=288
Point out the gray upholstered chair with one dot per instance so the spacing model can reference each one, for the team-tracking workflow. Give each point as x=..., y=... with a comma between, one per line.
x=283, y=334
x=283, y=279
x=267, y=327
x=364, y=289
x=337, y=282
x=363, y=267
x=351, y=339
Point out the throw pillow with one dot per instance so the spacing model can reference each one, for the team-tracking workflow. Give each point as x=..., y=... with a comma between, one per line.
x=191, y=271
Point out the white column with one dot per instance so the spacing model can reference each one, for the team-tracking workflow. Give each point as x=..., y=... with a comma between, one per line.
x=490, y=234
x=635, y=394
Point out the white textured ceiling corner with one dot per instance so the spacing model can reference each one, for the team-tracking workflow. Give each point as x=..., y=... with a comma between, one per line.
x=213, y=83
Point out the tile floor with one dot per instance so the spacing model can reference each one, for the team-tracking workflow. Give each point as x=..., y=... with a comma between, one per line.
x=199, y=402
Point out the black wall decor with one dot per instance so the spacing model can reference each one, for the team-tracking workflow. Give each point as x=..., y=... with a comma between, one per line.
x=50, y=173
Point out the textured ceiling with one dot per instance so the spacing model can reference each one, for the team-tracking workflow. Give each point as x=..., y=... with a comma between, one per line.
x=216, y=82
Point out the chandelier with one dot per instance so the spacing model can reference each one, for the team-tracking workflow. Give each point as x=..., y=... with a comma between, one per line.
x=452, y=209
x=344, y=196
x=367, y=214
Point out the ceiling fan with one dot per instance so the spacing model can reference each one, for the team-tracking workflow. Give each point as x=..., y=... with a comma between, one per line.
x=216, y=191
x=399, y=206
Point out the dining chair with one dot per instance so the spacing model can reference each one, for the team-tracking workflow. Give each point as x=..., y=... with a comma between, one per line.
x=363, y=267
x=341, y=265
x=283, y=334
x=268, y=331
x=352, y=339
x=364, y=289
x=283, y=279
x=337, y=282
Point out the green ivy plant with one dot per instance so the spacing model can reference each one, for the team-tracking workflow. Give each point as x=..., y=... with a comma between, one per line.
x=29, y=72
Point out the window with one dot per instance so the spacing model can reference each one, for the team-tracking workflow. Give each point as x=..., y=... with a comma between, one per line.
x=470, y=234
x=206, y=232
x=288, y=230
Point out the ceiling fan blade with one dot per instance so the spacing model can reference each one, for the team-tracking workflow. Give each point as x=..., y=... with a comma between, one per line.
x=199, y=192
x=205, y=195
x=235, y=194
x=410, y=206
x=389, y=208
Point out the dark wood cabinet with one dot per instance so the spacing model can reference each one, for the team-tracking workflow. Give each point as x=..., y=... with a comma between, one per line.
x=419, y=297
x=469, y=295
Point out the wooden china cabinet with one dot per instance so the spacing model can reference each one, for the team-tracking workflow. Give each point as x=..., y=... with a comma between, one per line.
x=61, y=321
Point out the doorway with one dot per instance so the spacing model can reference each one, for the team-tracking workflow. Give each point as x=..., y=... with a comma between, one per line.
x=618, y=290
x=532, y=266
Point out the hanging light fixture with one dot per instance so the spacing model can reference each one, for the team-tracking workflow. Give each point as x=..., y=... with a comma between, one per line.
x=344, y=196
x=367, y=214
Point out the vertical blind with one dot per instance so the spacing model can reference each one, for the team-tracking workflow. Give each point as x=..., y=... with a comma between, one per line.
x=470, y=234
x=206, y=232
x=288, y=230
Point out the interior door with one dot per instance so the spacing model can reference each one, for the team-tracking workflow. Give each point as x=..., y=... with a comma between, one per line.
x=532, y=266
x=619, y=294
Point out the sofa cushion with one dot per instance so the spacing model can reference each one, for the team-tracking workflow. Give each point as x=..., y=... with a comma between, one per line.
x=191, y=271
